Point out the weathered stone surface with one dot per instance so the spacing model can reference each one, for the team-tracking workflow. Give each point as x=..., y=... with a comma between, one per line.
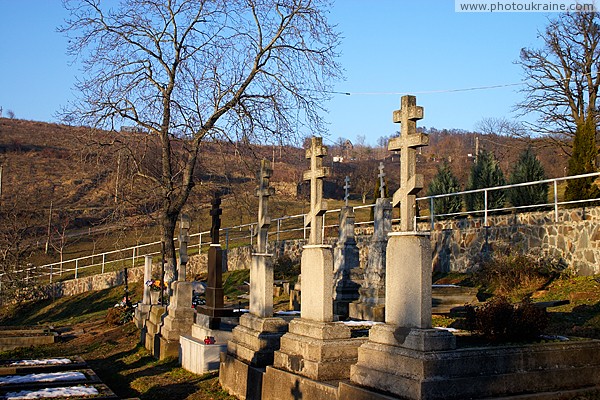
x=283, y=385
x=240, y=379
x=478, y=372
x=317, y=274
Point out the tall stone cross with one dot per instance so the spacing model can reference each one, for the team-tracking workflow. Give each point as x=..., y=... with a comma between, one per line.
x=346, y=190
x=215, y=213
x=381, y=180
x=408, y=142
x=263, y=191
x=315, y=175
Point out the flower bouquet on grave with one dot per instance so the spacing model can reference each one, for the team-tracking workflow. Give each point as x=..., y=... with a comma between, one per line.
x=156, y=285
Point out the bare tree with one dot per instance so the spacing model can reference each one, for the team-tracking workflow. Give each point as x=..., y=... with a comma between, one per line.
x=562, y=78
x=185, y=70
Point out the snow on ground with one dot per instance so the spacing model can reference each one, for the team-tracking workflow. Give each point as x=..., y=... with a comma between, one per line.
x=46, y=361
x=287, y=313
x=361, y=323
x=42, y=377
x=52, y=392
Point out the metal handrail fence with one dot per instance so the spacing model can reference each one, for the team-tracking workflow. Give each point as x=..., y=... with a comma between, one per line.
x=286, y=227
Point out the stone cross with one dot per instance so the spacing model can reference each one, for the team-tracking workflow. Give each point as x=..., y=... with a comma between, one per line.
x=315, y=175
x=263, y=191
x=381, y=180
x=215, y=212
x=408, y=141
x=346, y=190
x=184, y=238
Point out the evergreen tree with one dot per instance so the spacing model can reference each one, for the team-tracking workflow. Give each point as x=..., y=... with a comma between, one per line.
x=583, y=161
x=485, y=173
x=528, y=169
x=442, y=183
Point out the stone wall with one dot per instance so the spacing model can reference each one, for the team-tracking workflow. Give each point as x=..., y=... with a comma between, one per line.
x=457, y=245
x=575, y=238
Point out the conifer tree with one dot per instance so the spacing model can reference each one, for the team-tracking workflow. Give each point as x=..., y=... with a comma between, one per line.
x=583, y=161
x=528, y=169
x=485, y=173
x=445, y=182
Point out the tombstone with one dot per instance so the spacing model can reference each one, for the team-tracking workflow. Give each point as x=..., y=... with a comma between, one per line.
x=214, y=309
x=184, y=238
x=407, y=326
x=371, y=304
x=315, y=347
x=258, y=335
x=200, y=351
x=142, y=311
x=345, y=260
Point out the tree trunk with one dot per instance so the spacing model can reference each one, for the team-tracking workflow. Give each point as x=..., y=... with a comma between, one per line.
x=168, y=223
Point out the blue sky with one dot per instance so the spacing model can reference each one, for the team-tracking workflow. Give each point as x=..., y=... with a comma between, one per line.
x=390, y=46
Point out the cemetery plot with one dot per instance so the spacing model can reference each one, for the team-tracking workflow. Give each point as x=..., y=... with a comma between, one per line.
x=24, y=336
x=13, y=367
x=94, y=391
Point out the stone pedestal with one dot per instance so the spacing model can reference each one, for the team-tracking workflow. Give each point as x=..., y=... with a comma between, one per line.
x=249, y=351
x=199, y=357
x=371, y=303
x=255, y=339
x=141, y=314
x=153, y=325
x=345, y=260
x=179, y=319
x=317, y=281
x=261, y=285
x=318, y=350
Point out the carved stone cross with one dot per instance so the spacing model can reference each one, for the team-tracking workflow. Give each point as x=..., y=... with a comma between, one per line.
x=215, y=212
x=381, y=180
x=263, y=191
x=346, y=190
x=408, y=141
x=315, y=175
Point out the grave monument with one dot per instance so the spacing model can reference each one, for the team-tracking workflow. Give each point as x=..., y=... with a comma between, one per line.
x=142, y=311
x=345, y=260
x=315, y=348
x=371, y=304
x=258, y=335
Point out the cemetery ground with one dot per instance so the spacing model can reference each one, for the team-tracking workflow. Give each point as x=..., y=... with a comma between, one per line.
x=115, y=354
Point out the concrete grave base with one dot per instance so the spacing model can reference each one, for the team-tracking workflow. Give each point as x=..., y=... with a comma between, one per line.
x=198, y=357
x=537, y=371
x=141, y=314
x=367, y=312
x=153, y=324
x=255, y=339
x=165, y=348
x=318, y=350
x=240, y=379
x=284, y=385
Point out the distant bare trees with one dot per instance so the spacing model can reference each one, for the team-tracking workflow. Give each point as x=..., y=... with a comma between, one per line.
x=189, y=70
x=563, y=77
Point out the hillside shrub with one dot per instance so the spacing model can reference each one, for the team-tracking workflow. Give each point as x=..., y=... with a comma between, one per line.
x=485, y=173
x=500, y=321
x=444, y=182
x=528, y=169
x=517, y=275
x=583, y=161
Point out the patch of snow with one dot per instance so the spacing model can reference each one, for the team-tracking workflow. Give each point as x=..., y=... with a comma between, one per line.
x=361, y=323
x=287, y=313
x=52, y=392
x=442, y=328
x=443, y=286
x=43, y=377
x=45, y=361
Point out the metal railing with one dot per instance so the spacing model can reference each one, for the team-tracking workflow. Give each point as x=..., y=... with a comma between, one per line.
x=283, y=228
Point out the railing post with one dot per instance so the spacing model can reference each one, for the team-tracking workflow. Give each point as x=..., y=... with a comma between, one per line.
x=200, y=243
x=304, y=226
x=133, y=258
x=555, y=201
x=323, y=230
x=485, y=205
x=103, y=261
x=278, y=228
x=227, y=239
x=431, y=213
x=51, y=272
x=76, y=267
x=252, y=235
